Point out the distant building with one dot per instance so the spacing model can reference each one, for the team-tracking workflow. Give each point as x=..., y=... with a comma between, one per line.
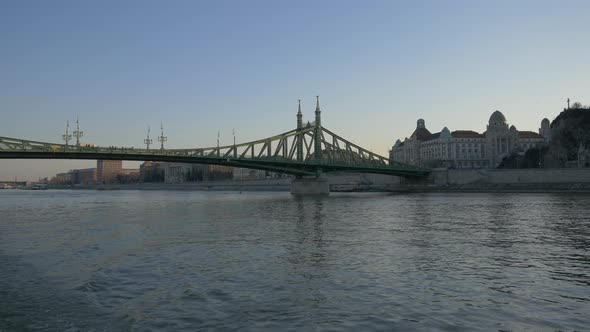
x=182, y=172
x=107, y=170
x=248, y=174
x=217, y=172
x=127, y=175
x=255, y=174
x=151, y=171
x=467, y=148
x=130, y=171
x=61, y=178
x=545, y=130
x=176, y=172
x=83, y=176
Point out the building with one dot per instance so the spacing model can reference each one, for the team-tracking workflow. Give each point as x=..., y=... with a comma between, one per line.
x=248, y=174
x=130, y=172
x=62, y=178
x=107, y=170
x=151, y=171
x=255, y=174
x=467, y=148
x=176, y=172
x=127, y=175
x=111, y=173
x=545, y=130
x=83, y=176
x=182, y=172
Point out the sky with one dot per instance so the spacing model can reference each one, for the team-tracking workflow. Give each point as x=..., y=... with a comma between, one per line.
x=200, y=67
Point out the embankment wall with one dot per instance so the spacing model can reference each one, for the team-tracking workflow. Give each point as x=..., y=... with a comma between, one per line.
x=509, y=176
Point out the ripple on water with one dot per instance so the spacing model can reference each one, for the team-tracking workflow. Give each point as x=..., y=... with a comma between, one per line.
x=94, y=261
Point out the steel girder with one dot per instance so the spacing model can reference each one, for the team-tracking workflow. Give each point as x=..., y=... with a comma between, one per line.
x=292, y=152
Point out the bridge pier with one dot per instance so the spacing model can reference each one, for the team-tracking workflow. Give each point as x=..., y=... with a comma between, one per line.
x=310, y=186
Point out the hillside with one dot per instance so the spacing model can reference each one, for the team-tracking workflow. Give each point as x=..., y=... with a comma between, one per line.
x=569, y=129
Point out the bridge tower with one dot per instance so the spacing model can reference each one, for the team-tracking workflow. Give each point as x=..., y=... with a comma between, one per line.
x=317, y=185
x=317, y=135
x=299, y=137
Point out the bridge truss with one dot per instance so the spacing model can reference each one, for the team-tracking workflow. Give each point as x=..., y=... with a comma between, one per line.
x=306, y=151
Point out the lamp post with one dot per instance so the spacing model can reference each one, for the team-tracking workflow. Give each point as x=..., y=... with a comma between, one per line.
x=162, y=138
x=148, y=140
x=77, y=132
x=66, y=136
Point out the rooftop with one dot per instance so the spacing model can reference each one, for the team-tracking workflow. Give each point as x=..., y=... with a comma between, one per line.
x=466, y=134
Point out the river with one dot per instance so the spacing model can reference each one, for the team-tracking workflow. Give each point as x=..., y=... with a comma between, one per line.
x=180, y=260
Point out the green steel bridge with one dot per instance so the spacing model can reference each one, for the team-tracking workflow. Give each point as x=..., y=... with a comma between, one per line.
x=308, y=150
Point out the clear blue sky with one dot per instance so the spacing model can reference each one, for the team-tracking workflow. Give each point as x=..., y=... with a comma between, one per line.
x=204, y=66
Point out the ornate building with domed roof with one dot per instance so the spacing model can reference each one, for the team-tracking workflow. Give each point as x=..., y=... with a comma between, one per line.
x=466, y=148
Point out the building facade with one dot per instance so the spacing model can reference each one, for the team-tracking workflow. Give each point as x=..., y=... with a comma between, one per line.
x=151, y=171
x=176, y=172
x=107, y=170
x=182, y=172
x=255, y=174
x=83, y=176
x=62, y=178
x=467, y=148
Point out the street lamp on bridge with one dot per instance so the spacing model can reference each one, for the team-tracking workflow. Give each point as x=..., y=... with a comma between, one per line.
x=67, y=136
x=162, y=138
x=148, y=140
x=77, y=132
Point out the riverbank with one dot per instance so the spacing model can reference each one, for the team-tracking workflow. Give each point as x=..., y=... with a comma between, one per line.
x=440, y=180
x=189, y=186
x=284, y=186
x=507, y=180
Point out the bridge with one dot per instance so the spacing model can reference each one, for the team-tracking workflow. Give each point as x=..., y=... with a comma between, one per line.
x=308, y=151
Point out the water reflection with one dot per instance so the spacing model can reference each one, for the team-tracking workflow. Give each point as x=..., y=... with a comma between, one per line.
x=306, y=252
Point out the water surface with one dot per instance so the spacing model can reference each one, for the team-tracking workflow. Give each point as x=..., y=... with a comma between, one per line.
x=177, y=260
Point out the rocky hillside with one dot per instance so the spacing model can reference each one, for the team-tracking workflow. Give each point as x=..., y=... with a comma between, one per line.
x=569, y=129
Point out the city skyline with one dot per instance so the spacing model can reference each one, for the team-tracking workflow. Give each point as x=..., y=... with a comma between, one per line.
x=204, y=68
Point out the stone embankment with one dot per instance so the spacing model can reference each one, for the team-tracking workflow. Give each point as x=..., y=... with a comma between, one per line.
x=504, y=180
x=570, y=180
x=253, y=185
